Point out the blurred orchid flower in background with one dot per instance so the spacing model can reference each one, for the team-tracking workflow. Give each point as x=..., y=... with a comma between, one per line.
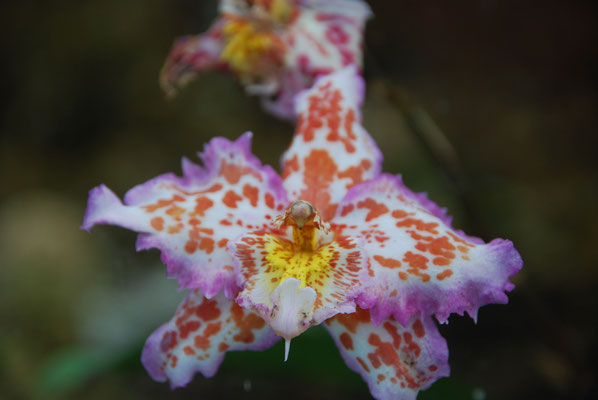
x=332, y=240
x=276, y=48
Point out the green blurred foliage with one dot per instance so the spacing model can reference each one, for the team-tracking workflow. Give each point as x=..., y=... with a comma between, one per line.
x=510, y=84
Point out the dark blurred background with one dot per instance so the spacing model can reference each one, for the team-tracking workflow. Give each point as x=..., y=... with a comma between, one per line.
x=510, y=84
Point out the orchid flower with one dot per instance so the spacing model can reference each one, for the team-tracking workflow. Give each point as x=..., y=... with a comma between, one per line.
x=275, y=47
x=333, y=240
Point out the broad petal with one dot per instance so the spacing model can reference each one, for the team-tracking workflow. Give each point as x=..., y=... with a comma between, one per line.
x=191, y=219
x=396, y=361
x=293, y=290
x=331, y=151
x=199, y=334
x=419, y=264
x=190, y=55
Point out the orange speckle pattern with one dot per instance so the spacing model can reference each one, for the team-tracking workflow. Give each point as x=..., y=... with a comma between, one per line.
x=190, y=246
x=331, y=152
x=251, y=193
x=202, y=204
x=363, y=364
x=233, y=172
x=346, y=341
x=444, y=274
x=175, y=211
x=290, y=166
x=347, y=209
x=266, y=260
x=222, y=347
x=231, y=199
x=375, y=209
x=387, y=262
x=355, y=173
x=202, y=330
x=269, y=199
x=246, y=323
x=411, y=245
x=189, y=218
x=320, y=171
x=157, y=223
x=163, y=203
x=208, y=310
x=390, y=355
x=418, y=329
x=401, y=235
x=351, y=321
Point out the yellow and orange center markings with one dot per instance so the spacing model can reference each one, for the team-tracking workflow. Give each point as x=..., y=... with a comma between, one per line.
x=252, y=43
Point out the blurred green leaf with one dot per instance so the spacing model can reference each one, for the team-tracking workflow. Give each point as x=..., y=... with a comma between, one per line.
x=70, y=368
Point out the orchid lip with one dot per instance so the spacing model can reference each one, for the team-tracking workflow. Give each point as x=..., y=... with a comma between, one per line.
x=299, y=280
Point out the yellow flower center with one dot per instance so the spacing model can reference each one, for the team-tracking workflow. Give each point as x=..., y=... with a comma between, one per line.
x=245, y=46
x=307, y=257
x=281, y=10
x=287, y=260
x=294, y=284
x=253, y=46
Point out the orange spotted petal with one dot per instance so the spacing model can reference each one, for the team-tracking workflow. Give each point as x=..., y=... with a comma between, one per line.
x=198, y=336
x=396, y=361
x=293, y=289
x=192, y=218
x=189, y=56
x=331, y=151
x=419, y=264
